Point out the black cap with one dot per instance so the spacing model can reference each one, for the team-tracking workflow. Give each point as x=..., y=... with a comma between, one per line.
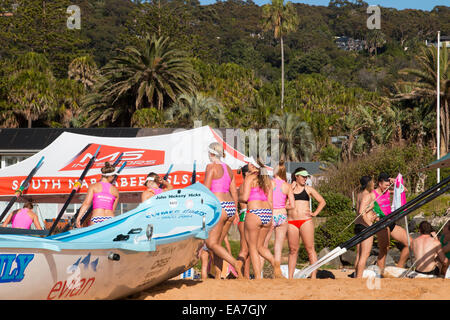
x=383, y=177
x=364, y=181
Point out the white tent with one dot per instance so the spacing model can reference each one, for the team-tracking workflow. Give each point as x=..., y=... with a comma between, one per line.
x=68, y=155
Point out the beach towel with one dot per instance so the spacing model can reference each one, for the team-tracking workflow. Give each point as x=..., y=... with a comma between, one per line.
x=399, y=198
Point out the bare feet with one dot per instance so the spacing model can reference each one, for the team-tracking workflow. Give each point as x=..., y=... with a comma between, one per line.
x=239, y=266
x=277, y=271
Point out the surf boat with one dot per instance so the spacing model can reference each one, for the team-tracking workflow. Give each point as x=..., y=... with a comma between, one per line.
x=156, y=241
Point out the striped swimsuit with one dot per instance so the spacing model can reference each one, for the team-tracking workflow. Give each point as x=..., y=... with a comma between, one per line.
x=223, y=185
x=279, y=203
x=264, y=214
x=103, y=200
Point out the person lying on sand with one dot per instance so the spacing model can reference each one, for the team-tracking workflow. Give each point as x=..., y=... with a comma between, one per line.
x=428, y=251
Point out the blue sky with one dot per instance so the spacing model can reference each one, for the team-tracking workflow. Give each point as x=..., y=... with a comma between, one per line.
x=397, y=4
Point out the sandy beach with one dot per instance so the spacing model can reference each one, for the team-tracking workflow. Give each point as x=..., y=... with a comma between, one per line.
x=341, y=288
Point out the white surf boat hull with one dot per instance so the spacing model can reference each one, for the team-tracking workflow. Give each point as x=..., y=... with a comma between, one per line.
x=158, y=240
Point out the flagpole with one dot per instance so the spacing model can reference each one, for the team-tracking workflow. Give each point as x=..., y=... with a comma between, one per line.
x=438, y=106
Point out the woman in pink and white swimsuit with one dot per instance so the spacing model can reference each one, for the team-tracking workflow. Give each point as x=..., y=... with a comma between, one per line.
x=257, y=193
x=219, y=178
x=282, y=191
x=23, y=218
x=103, y=196
x=382, y=195
x=152, y=183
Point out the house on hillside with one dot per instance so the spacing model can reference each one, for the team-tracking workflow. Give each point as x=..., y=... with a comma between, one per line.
x=445, y=40
x=349, y=44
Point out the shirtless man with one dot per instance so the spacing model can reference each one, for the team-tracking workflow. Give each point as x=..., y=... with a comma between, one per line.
x=427, y=251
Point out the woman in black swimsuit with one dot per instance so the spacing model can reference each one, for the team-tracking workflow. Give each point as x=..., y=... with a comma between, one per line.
x=300, y=222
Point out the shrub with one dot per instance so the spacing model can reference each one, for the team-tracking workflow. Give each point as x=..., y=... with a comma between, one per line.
x=336, y=204
x=407, y=160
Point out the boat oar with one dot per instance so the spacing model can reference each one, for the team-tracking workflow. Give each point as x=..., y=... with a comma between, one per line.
x=403, y=211
x=19, y=191
x=194, y=173
x=75, y=216
x=88, y=212
x=76, y=187
x=166, y=176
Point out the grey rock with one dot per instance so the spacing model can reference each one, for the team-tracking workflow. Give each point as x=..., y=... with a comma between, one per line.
x=372, y=260
x=389, y=260
x=348, y=258
x=335, y=263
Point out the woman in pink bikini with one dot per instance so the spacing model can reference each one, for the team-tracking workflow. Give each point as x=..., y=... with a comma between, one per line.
x=258, y=220
x=103, y=196
x=300, y=220
x=152, y=183
x=23, y=218
x=220, y=180
x=282, y=191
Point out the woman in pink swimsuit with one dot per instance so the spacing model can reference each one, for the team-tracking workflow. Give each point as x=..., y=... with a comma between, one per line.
x=220, y=180
x=103, y=196
x=300, y=220
x=23, y=218
x=152, y=183
x=258, y=220
x=383, y=198
x=282, y=191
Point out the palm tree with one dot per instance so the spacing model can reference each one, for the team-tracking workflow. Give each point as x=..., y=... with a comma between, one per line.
x=424, y=87
x=189, y=108
x=30, y=87
x=31, y=93
x=293, y=133
x=84, y=70
x=151, y=76
x=374, y=39
x=282, y=19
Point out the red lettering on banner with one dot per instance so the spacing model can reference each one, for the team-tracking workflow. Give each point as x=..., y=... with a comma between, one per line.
x=125, y=183
x=134, y=157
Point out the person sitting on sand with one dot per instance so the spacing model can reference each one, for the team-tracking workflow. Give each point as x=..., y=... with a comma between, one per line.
x=366, y=217
x=103, y=196
x=23, y=218
x=153, y=183
x=382, y=194
x=428, y=251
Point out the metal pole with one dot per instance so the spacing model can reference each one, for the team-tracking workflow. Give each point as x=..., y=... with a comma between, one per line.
x=438, y=106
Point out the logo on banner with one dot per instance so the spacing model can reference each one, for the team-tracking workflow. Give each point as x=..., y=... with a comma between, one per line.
x=133, y=157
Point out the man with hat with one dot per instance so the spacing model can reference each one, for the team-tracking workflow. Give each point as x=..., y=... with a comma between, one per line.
x=382, y=197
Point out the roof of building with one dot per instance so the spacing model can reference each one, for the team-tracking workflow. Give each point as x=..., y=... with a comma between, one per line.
x=31, y=140
x=34, y=139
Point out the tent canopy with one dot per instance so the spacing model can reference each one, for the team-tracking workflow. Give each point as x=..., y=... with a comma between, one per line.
x=68, y=155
